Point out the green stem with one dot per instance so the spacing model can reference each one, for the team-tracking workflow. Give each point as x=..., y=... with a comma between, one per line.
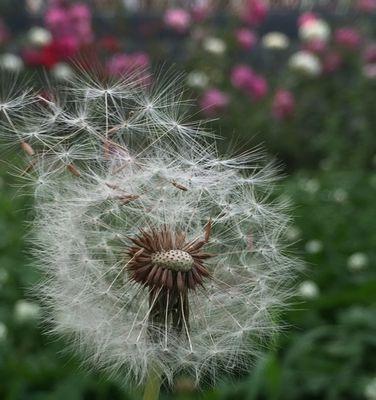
x=153, y=385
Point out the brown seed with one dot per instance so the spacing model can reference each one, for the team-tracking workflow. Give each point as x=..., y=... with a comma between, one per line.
x=157, y=276
x=191, y=282
x=179, y=186
x=208, y=230
x=127, y=199
x=27, y=148
x=73, y=170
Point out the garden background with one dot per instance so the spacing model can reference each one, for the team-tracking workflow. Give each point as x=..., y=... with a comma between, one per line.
x=298, y=79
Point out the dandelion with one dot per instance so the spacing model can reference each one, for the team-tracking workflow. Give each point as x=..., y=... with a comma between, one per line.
x=305, y=63
x=25, y=311
x=314, y=29
x=62, y=72
x=159, y=256
x=309, y=290
x=11, y=62
x=314, y=246
x=370, y=389
x=275, y=41
x=357, y=261
x=214, y=45
x=197, y=79
x=39, y=36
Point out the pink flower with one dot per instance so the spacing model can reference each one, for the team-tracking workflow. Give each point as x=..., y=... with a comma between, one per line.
x=370, y=54
x=258, y=88
x=245, y=38
x=254, y=12
x=331, y=62
x=283, y=106
x=242, y=76
x=315, y=46
x=80, y=13
x=177, y=19
x=366, y=6
x=307, y=17
x=348, y=38
x=123, y=64
x=70, y=21
x=213, y=102
x=200, y=12
x=57, y=20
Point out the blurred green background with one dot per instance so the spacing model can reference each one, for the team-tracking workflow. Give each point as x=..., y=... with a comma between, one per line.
x=323, y=135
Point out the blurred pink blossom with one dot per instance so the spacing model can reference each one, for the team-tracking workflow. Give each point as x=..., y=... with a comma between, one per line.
x=244, y=78
x=4, y=33
x=213, y=102
x=347, y=37
x=122, y=64
x=245, y=38
x=177, y=19
x=70, y=21
x=241, y=76
x=367, y=6
x=254, y=12
x=370, y=53
x=315, y=46
x=258, y=88
x=200, y=12
x=57, y=21
x=307, y=17
x=283, y=106
x=331, y=62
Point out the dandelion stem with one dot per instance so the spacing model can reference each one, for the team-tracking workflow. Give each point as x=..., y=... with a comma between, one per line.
x=153, y=385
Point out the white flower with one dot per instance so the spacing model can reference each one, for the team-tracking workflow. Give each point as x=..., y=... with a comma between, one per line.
x=25, y=311
x=369, y=71
x=311, y=185
x=293, y=233
x=357, y=261
x=309, y=290
x=157, y=253
x=275, y=40
x=340, y=195
x=197, y=79
x=39, y=36
x=11, y=62
x=313, y=246
x=315, y=29
x=370, y=389
x=306, y=63
x=214, y=45
x=62, y=72
x=3, y=332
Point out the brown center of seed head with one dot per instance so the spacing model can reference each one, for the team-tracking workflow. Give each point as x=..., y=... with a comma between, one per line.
x=164, y=258
x=168, y=266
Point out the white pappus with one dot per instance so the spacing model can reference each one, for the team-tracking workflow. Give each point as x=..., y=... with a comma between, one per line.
x=156, y=252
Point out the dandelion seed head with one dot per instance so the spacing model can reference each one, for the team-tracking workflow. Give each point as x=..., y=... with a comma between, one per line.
x=155, y=251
